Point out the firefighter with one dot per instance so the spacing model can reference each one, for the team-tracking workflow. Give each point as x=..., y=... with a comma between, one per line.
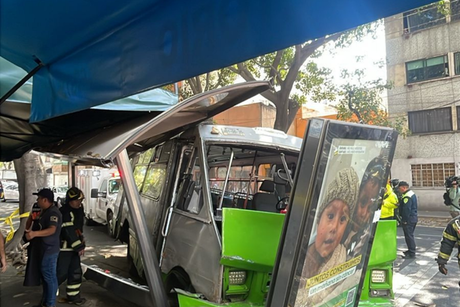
x=72, y=245
x=450, y=237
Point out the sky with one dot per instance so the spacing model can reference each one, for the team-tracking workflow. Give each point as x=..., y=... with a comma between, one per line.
x=371, y=50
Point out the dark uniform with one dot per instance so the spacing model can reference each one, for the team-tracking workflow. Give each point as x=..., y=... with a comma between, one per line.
x=49, y=218
x=450, y=236
x=409, y=219
x=72, y=243
x=32, y=276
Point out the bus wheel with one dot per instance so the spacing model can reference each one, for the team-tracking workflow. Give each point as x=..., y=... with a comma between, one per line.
x=110, y=223
x=177, y=278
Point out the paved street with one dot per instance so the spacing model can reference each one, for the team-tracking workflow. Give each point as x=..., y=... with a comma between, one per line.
x=416, y=282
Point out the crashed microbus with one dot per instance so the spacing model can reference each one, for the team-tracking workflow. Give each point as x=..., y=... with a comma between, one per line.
x=205, y=208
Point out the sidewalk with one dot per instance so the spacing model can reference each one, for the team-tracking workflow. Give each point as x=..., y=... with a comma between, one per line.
x=13, y=293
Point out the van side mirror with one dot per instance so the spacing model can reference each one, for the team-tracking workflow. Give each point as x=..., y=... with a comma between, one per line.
x=94, y=193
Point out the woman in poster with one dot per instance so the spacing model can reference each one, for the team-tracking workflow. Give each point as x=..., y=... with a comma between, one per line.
x=327, y=252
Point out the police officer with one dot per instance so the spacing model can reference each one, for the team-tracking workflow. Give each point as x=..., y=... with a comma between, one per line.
x=72, y=245
x=409, y=219
x=450, y=237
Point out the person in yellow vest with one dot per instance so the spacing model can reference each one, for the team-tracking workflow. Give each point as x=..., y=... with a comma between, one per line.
x=389, y=204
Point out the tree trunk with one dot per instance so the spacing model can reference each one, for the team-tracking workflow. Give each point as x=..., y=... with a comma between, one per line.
x=281, y=120
x=31, y=175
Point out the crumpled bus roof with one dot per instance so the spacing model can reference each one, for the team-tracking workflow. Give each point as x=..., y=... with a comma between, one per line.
x=96, y=137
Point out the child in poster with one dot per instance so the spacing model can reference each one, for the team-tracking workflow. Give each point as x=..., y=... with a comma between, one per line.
x=327, y=252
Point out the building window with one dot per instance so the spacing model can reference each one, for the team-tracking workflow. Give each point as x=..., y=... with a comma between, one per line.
x=434, y=120
x=431, y=175
x=455, y=10
x=427, y=69
x=457, y=63
x=423, y=18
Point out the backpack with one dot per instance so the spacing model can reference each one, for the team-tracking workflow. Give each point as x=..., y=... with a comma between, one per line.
x=447, y=200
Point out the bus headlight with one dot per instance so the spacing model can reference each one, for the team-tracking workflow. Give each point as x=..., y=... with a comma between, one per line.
x=236, y=277
x=378, y=276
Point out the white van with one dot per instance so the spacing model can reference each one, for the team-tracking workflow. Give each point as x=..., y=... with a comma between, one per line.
x=104, y=206
x=100, y=187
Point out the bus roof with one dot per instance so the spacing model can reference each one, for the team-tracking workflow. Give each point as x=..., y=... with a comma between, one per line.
x=140, y=134
x=266, y=137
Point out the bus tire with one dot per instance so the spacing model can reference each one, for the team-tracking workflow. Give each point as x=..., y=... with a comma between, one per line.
x=177, y=278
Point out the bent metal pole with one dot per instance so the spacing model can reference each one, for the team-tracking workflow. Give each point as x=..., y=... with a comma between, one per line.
x=150, y=261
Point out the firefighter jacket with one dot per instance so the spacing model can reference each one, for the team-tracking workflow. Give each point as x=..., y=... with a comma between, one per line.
x=390, y=203
x=72, y=229
x=408, y=207
x=450, y=236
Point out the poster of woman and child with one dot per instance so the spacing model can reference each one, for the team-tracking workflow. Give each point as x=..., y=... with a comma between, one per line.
x=353, y=178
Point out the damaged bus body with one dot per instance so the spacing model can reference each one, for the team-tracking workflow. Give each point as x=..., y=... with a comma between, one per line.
x=202, y=206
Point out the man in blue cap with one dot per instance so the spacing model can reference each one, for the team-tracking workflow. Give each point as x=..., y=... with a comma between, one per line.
x=50, y=220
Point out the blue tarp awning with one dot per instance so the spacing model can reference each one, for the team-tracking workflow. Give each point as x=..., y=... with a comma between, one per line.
x=152, y=100
x=94, y=52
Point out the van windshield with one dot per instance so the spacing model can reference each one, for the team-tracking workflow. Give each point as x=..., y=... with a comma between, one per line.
x=114, y=186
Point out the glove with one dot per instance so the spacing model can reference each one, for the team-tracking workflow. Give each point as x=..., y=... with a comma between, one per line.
x=442, y=269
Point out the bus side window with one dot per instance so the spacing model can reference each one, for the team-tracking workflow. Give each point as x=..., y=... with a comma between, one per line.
x=154, y=180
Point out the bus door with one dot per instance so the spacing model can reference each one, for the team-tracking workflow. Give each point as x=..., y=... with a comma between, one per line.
x=191, y=242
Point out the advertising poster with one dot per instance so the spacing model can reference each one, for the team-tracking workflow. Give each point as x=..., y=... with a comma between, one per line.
x=331, y=263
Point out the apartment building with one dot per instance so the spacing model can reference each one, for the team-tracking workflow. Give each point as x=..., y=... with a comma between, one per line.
x=423, y=62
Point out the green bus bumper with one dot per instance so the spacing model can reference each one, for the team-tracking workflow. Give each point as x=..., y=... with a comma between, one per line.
x=187, y=301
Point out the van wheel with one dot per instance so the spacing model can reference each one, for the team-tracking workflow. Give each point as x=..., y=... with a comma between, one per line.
x=110, y=223
x=59, y=202
x=89, y=222
x=177, y=278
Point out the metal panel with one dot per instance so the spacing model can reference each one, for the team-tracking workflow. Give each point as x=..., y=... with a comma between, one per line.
x=194, y=246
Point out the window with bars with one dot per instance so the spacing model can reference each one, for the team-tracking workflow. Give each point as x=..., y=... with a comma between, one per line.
x=431, y=175
x=434, y=120
x=423, y=18
x=454, y=10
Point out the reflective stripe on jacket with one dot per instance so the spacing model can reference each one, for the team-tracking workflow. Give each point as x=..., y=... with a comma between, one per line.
x=71, y=235
x=450, y=236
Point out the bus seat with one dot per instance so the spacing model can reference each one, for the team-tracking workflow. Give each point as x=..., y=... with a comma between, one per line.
x=265, y=201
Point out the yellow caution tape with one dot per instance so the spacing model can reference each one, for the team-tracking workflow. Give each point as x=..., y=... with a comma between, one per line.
x=9, y=221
